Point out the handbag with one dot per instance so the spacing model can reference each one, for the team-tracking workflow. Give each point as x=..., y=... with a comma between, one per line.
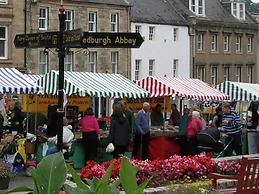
x=110, y=148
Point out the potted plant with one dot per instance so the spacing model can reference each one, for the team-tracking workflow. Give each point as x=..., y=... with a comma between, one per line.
x=5, y=174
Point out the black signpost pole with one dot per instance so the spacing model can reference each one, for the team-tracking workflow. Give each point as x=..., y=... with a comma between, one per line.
x=61, y=56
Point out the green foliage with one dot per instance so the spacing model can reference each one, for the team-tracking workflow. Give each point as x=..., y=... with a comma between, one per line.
x=50, y=176
x=128, y=178
x=104, y=186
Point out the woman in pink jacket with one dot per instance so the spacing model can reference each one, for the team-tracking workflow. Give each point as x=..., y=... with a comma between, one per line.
x=91, y=134
x=193, y=127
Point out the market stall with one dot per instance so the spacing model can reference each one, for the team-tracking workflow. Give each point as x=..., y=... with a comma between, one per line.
x=243, y=94
x=87, y=84
x=13, y=81
x=183, y=88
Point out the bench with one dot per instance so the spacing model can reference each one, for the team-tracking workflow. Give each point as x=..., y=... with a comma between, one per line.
x=247, y=178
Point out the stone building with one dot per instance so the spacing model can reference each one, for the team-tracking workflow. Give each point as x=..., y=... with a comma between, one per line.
x=92, y=16
x=223, y=40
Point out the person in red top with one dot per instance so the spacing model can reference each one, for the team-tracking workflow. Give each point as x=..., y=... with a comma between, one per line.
x=91, y=134
x=193, y=127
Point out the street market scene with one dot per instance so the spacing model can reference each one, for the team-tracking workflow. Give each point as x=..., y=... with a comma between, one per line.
x=115, y=96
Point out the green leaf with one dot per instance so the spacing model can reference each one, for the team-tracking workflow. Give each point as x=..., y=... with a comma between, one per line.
x=106, y=177
x=128, y=176
x=20, y=189
x=93, y=183
x=77, y=179
x=51, y=173
x=102, y=187
x=141, y=188
x=73, y=190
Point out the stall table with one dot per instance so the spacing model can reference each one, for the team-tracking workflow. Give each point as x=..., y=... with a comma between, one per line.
x=163, y=144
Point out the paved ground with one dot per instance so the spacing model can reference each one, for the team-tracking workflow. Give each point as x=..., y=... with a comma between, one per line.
x=20, y=180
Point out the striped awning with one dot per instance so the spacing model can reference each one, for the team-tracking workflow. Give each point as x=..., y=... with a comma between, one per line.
x=13, y=81
x=33, y=77
x=240, y=91
x=92, y=84
x=181, y=87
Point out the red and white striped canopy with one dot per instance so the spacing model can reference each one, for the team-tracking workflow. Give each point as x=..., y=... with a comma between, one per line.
x=181, y=87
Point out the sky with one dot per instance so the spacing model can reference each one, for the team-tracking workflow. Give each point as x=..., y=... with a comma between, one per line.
x=256, y=1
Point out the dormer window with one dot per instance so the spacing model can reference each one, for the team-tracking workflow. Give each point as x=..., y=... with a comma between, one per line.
x=238, y=10
x=197, y=7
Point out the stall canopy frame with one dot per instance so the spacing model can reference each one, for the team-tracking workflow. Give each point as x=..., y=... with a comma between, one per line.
x=240, y=91
x=13, y=81
x=188, y=88
x=92, y=84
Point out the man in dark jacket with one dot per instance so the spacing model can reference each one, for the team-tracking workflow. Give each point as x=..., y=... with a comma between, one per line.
x=157, y=116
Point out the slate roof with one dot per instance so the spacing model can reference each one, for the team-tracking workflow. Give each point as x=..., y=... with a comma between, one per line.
x=155, y=12
x=216, y=13
x=110, y=2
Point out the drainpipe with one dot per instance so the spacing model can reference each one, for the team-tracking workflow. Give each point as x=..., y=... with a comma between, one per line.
x=25, y=31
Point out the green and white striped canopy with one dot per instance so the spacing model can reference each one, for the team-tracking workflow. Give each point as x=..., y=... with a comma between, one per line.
x=92, y=84
x=240, y=91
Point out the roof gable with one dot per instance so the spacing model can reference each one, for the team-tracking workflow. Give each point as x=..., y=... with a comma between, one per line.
x=156, y=12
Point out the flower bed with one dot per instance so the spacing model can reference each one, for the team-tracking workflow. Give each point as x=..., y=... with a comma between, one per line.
x=176, y=169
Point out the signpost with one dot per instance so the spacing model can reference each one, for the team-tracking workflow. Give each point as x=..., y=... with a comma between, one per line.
x=61, y=40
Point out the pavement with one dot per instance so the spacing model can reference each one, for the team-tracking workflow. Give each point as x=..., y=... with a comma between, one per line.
x=21, y=179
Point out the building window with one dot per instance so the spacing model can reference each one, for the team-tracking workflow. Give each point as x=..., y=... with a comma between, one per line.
x=238, y=73
x=214, y=75
x=68, y=62
x=214, y=42
x=176, y=31
x=238, y=10
x=175, y=67
x=43, y=18
x=137, y=69
x=238, y=44
x=43, y=69
x=226, y=72
x=151, y=33
x=3, y=42
x=151, y=67
x=92, y=18
x=249, y=44
x=200, y=42
x=92, y=61
x=249, y=73
x=138, y=29
x=115, y=22
x=3, y=1
x=114, y=61
x=201, y=72
x=226, y=44
x=197, y=7
x=69, y=19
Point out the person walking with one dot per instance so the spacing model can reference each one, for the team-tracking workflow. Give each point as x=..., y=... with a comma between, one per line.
x=142, y=134
x=119, y=134
x=232, y=129
x=91, y=134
